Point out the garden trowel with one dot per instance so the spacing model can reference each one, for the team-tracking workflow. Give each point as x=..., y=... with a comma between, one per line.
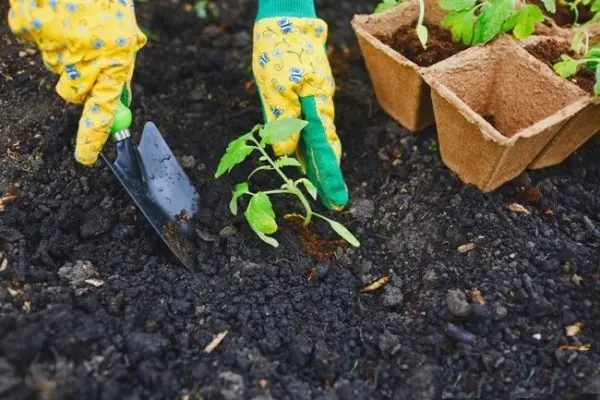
x=152, y=176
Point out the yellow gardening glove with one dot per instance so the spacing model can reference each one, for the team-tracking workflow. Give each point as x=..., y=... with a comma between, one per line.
x=294, y=79
x=92, y=45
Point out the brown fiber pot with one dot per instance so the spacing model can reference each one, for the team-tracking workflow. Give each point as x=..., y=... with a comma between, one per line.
x=575, y=133
x=397, y=81
x=529, y=104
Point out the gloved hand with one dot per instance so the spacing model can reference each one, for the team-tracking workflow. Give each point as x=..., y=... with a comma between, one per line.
x=294, y=79
x=92, y=46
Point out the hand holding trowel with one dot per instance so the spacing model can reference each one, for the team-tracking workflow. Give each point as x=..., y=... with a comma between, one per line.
x=95, y=63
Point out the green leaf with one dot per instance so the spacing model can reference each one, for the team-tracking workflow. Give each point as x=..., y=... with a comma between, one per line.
x=260, y=214
x=310, y=188
x=237, y=151
x=494, y=13
x=597, y=84
x=550, y=5
x=567, y=67
x=528, y=16
x=595, y=6
x=268, y=239
x=386, y=5
x=286, y=161
x=422, y=34
x=510, y=23
x=457, y=5
x=200, y=9
x=280, y=129
x=461, y=25
x=343, y=232
x=592, y=53
x=240, y=190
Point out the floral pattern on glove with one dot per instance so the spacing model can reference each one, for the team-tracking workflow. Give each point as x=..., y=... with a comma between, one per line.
x=92, y=45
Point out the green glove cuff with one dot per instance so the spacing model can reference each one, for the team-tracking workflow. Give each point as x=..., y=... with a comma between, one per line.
x=286, y=8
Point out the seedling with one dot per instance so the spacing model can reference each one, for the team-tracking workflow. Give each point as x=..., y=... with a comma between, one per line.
x=385, y=5
x=573, y=6
x=422, y=32
x=473, y=22
x=590, y=60
x=259, y=213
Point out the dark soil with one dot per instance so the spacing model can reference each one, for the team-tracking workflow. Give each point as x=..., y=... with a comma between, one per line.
x=549, y=52
x=439, y=45
x=564, y=16
x=94, y=306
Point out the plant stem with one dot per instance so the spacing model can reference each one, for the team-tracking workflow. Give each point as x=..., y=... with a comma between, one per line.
x=302, y=198
x=421, y=12
x=270, y=161
x=291, y=188
x=278, y=191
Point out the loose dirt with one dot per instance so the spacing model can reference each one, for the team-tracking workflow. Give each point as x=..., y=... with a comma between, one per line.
x=439, y=46
x=130, y=323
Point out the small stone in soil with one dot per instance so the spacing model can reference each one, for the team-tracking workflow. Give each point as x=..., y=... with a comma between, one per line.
x=456, y=300
x=392, y=296
x=188, y=162
x=77, y=273
x=363, y=209
x=460, y=334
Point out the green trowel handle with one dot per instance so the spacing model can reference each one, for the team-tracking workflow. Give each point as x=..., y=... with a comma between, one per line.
x=122, y=119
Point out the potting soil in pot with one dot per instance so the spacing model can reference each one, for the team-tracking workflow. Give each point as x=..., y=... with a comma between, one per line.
x=549, y=52
x=564, y=16
x=439, y=45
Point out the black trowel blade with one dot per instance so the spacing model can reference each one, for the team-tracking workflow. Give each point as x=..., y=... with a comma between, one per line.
x=160, y=188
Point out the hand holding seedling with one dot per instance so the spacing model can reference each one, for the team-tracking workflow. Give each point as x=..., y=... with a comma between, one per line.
x=294, y=79
x=473, y=22
x=92, y=46
x=260, y=214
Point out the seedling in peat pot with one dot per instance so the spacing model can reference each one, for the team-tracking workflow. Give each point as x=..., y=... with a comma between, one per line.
x=573, y=6
x=259, y=213
x=590, y=60
x=473, y=22
x=422, y=32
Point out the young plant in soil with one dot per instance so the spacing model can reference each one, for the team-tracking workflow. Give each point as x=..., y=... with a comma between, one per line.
x=574, y=5
x=259, y=213
x=421, y=29
x=473, y=22
x=590, y=61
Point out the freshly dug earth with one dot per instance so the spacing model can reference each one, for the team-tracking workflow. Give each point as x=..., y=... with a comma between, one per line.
x=93, y=306
x=439, y=45
x=549, y=52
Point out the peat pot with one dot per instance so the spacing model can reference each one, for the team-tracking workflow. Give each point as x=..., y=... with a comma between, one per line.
x=580, y=128
x=496, y=108
x=395, y=59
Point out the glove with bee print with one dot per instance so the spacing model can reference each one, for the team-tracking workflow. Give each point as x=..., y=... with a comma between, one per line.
x=294, y=79
x=92, y=46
